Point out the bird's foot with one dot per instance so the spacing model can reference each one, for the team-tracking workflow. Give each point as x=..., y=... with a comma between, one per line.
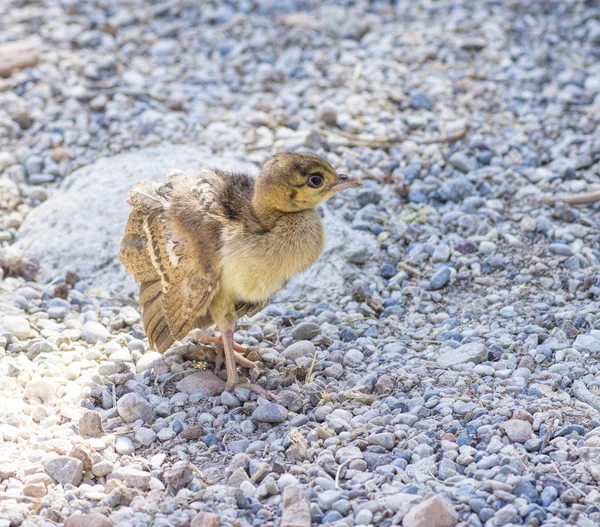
x=258, y=390
x=220, y=348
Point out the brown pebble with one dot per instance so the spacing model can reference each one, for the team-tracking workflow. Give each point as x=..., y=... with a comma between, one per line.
x=72, y=278
x=35, y=490
x=60, y=153
x=90, y=424
x=88, y=520
x=192, y=432
x=61, y=291
x=205, y=519
x=296, y=508
x=449, y=437
x=522, y=415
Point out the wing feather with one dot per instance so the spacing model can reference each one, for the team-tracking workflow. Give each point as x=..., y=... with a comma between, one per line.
x=178, y=277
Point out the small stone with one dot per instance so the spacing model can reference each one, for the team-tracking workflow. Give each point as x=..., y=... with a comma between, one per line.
x=587, y=343
x=132, y=407
x=487, y=247
x=17, y=55
x=441, y=253
x=124, y=446
x=507, y=515
x=130, y=315
x=440, y=278
x=296, y=508
x=420, y=100
x=353, y=357
x=517, y=430
x=166, y=434
x=205, y=519
x=348, y=335
x=94, y=332
x=387, y=270
x=65, y=470
x=7, y=159
x=560, y=249
x=433, y=512
x=145, y=436
x=238, y=477
x=147, y=360
x=134, y=478
x=94, y=519
x=60, y=153
x=305, y=331
x=42, y=389
x=35, y=490
x=9, y=432
x=327, y=498
x=102, y=468
x=359, y=257
x=463, y=162
x=180, y=476
x=18, y=326
x=363, y=517
x=303, y=348
x=90, y=424
x=230, y=400
x=471, y=352
x=384, y=439
x=270, y=413
x=203, y=383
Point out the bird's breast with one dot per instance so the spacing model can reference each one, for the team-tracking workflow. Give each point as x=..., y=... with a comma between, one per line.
x=256, y=266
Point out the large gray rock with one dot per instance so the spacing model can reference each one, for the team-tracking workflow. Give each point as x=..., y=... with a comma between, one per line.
x=80, y=227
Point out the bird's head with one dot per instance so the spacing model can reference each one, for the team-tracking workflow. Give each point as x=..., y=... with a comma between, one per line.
x=291, y=182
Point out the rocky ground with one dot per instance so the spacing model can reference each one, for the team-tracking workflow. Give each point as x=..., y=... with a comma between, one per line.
x=439, y=385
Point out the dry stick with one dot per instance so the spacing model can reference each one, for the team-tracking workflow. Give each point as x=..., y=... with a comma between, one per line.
x=382, y=142
x=581, y=392
x=565, y=479
x=339, y=471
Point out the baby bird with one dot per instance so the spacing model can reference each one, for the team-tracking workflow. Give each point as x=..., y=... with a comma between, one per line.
x=210, y=248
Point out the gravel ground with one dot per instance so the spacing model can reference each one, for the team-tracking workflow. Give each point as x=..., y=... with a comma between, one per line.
x=441, y=389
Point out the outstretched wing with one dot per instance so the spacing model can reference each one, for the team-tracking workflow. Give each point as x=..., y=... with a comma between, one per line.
x=178, y=277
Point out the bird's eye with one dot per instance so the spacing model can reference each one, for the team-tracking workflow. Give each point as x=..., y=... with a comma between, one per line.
x=315, y=180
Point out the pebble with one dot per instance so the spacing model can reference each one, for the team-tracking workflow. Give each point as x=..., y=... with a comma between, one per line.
x=297, y=350
x=65, y=470
x=440, y=278
x=132, y=407
x=124, y=446
x=517, y=430
x=305, y=331
x=472, y=352
x=94, y=332
x=270, y=413
x=93, y=519
x=18, y=326
x=432, y=512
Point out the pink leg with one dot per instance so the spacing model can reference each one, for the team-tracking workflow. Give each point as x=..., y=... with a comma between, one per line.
x=230, y=359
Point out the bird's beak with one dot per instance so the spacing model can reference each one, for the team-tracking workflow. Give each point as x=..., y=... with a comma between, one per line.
x=344, y=181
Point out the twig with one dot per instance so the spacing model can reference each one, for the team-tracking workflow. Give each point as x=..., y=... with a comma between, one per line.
x=566, y=480
x=409, y=269
x=5, y=496
x=312, y=365
x=581, y=392
x=339, y=471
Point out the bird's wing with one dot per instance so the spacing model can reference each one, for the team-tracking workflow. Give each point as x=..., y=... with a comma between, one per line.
x=178, y=277
x=250, y=309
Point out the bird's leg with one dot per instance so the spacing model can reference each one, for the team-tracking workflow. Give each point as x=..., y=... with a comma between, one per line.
x=218, y=341
x=238, y=350
x=230, y=359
